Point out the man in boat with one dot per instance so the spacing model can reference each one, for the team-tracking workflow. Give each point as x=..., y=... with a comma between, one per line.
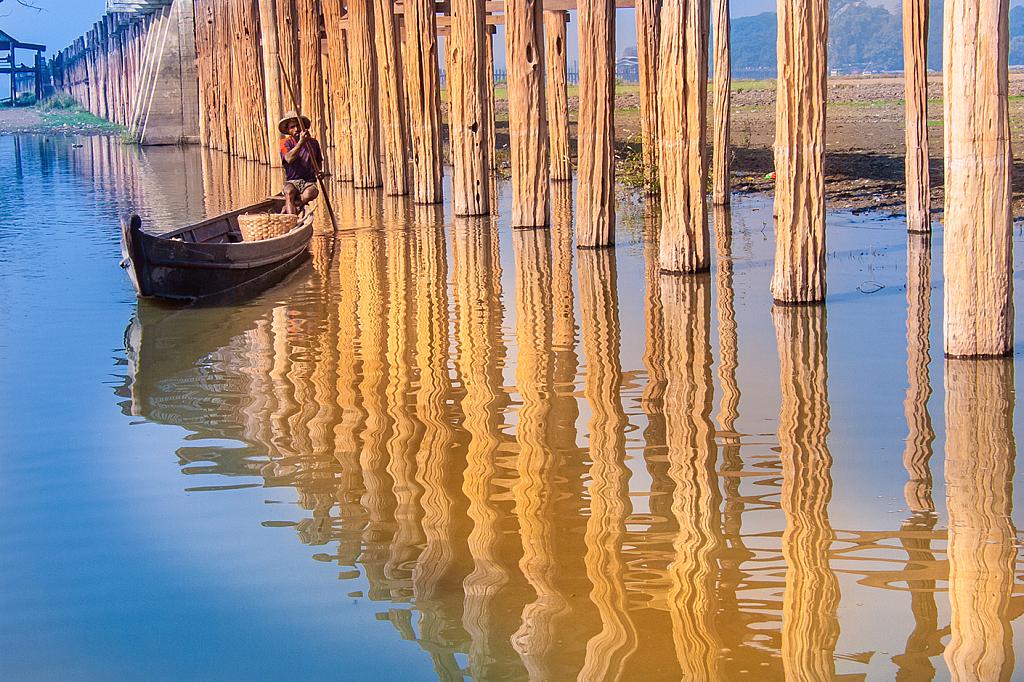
x=302, y=160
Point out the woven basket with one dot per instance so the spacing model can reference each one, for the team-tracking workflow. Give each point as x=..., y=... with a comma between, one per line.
x=259, y=226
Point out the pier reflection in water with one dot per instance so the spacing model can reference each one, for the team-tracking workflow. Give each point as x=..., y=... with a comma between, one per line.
x=544, y=463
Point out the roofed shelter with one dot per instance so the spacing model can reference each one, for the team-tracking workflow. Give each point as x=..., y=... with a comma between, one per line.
x=9, y=64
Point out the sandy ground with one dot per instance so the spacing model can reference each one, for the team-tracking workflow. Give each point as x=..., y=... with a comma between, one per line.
x=17, y=120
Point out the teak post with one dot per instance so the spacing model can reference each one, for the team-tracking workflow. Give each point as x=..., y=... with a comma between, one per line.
x=337, y=67
x=492, y=133
x=723, y=99
x=527, y=118
x=423, y=92
x=557, y=94
x=288, y=42
x=272, y=78
x=312, y=97
x=978, y=259
x=683, y=159
x=467, y=104
x=915, y=69
x=595, y=190
x=648, y=37
x=362, y=60
x=800, y=152
x=392, y=100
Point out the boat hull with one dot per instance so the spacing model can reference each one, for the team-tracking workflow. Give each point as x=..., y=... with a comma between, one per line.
x=171, y=268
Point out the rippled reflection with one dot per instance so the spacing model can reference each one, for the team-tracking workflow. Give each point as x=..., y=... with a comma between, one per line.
x=535, y=488
x=980, y=453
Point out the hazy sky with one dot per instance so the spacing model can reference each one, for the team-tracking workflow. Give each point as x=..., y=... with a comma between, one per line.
x=59, y=22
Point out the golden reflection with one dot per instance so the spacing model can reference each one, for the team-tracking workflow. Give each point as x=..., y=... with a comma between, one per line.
x=692, y=454
x=407, y=428
x=535, y=494
x=918, y=451
x=348, y=443
x=980, y=453
x=481, y=355
x=810, y=628
x=922, y=568
x=378, y=498
x=655, y=451
x=440, y=460
x=608, y=651
x=734, y=552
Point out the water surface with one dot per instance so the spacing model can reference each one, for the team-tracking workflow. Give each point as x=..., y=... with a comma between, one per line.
x=443, y=449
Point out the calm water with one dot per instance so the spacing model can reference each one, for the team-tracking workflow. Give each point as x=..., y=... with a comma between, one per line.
x=447, y=450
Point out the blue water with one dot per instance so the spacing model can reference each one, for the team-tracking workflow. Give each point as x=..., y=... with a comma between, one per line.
x=161, y=521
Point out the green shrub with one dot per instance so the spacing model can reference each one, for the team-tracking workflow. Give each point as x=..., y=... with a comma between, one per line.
x=60, y=101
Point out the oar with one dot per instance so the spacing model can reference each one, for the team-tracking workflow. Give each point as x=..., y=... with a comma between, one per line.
x=312, y=157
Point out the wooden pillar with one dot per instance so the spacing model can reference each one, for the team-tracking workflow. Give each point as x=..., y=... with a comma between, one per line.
x=648, y=37
x=288, y=48
x=272, y=78
x=982, y=552
x=915, y=70
x=337, y=57
x=362, y=61
x=978, y=259
x=595, y=190
x=392, y=100
x=723, y=100
x=683, y=160
x=527, y=115
x=467, y=108
x=423, y=92
x=557, y=94
x=800, y=152
x=307, y=13
x=492, y=134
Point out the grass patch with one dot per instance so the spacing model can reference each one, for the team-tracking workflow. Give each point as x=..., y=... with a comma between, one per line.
x=78, y=118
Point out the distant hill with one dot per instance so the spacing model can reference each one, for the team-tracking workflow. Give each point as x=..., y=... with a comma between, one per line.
x=862, y=37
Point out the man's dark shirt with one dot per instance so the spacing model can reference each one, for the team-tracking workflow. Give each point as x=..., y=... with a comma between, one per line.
x=302, y=167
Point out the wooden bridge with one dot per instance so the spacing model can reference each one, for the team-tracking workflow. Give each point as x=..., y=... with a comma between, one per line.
x=367, y=74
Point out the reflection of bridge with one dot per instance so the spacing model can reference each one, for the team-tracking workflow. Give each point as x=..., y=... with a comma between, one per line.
x=490, y=522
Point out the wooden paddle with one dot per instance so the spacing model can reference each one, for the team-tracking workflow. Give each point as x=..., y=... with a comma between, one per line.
x=312, y=157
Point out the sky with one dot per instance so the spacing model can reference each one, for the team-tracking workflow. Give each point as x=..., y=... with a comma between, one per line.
x=58, y=22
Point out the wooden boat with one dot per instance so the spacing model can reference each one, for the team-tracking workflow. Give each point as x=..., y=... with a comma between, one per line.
x=208, y=260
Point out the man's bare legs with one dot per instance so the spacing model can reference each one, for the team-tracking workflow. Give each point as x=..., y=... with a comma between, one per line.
x=295, y=202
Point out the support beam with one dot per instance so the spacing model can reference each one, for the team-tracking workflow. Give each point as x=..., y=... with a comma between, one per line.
x=467, y=105
x=310, y=50
x=288, y=46
x=723, y=100
x=683, y=162
x=557, y=94
x=800, y=152
x=915, y=69
x=527, y=127
x=392, y=100
x=337, y=66
x=978, y=259
x=595, y=213
x=423, y=92
x=272, y=77
x=362, y=61
x=648, y=37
